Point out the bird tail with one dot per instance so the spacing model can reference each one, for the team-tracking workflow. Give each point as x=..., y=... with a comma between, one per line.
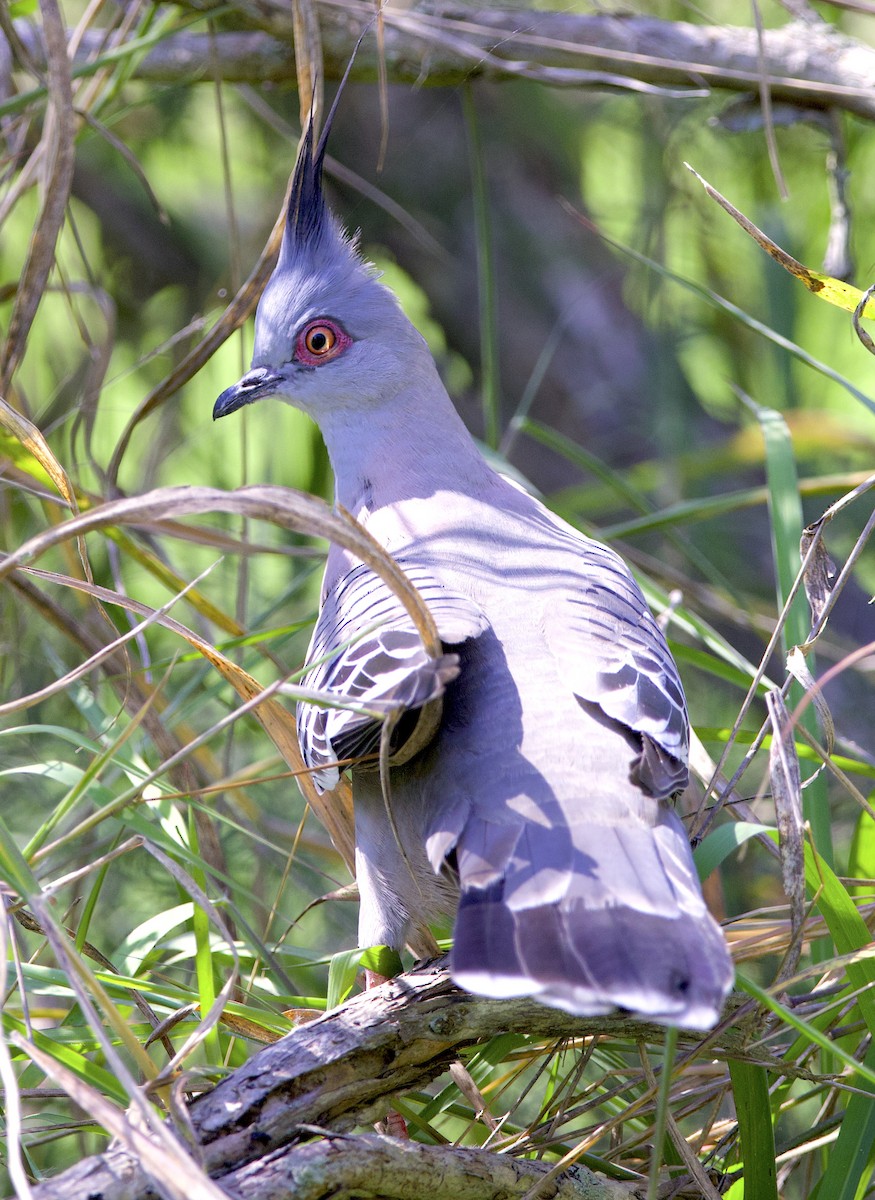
x=620, y=924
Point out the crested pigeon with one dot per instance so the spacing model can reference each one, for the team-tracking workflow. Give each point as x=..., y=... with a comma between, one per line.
x=538, y=809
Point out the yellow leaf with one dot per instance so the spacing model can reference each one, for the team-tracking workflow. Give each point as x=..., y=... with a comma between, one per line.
x=25, y=446
x=834, y=291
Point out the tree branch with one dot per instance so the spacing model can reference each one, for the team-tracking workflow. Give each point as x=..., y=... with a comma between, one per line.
x=805, y=63
x=341, y=1071
x=372, y=1165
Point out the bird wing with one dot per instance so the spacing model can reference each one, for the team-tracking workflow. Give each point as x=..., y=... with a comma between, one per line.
x=577, y=882
x=611, y=653
x=368, y=657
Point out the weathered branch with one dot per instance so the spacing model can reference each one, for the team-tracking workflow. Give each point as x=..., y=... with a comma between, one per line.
x=341, y=1071
x=362, y=1165
x=806, y=63
x=370, y=1165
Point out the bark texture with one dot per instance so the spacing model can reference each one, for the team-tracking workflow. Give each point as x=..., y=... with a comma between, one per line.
x=255, y=1130
x=805, y=61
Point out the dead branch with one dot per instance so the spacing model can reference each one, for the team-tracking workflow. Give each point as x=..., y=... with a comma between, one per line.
x=254, y=1130
x=364, y=1166
x=806, y=63
x=369, y=1165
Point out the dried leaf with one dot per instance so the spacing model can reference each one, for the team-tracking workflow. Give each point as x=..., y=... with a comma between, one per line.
x=251, y=1030
x=29, y=451
x=152, y=1143
x=860, y=311
x=798, y=668
x=820, y=572
x=834, y=291
x=57, y=149
x=787, y=795
x=302, y=1016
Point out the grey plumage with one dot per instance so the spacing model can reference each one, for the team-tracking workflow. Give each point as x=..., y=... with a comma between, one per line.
x=537, y=808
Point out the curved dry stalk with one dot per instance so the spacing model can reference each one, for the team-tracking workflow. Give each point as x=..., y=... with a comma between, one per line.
x=283, y=506
x=57, y=148
x=293, y=510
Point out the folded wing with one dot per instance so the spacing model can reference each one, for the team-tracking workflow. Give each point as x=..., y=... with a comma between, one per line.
x=370, y=665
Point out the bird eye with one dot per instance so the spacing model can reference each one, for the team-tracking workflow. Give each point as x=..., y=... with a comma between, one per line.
x=321, y=341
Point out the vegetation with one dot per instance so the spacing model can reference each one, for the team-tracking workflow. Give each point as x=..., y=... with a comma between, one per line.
x=618, y=340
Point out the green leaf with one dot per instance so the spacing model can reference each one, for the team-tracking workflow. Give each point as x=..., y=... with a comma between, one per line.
x=14, y=868
x=750, y=1090
x=382, y=959
x=849, y=1158
x=721, y=841
x=132, y=954
x=861, y=863
x=847, y=927
x=785, y=512
x=342, y=971
x=96, y=1076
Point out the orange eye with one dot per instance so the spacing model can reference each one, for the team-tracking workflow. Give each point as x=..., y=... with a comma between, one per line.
x=320, y=340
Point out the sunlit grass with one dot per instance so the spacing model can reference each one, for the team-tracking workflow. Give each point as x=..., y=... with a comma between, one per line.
x=158, y=858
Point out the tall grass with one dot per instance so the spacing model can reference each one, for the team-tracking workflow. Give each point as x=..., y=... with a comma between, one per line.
x=170, y=895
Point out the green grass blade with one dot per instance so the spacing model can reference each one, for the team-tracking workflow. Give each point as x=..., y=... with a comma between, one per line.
x=204, y=966
x=70, y=1056
x=861, y=864
x=785, y=511
x=750, y=1089
x=852, y=1151
x=342, y=972
x=663, y=1103
x=847, y=928
x=720, y=843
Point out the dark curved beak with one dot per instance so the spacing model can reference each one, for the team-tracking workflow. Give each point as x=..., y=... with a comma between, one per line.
x=255, y=385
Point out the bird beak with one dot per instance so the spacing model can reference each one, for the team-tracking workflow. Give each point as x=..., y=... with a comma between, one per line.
x=256, y=384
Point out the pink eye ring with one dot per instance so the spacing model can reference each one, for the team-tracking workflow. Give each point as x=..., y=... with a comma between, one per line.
x=320, y=341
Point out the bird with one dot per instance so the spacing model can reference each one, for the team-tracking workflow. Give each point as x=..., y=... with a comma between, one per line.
x=522, y=782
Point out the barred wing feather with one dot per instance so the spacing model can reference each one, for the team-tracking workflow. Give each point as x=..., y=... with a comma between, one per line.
x=612, y=654
x=369, y=660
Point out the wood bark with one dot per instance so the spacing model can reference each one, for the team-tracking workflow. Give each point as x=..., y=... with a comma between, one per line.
x=255, y=1130
x=805, y=62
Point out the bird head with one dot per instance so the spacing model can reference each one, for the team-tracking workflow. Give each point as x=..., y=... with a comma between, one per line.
x=328, y=334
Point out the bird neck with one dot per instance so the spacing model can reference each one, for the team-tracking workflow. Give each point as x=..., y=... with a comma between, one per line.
x=412, y=445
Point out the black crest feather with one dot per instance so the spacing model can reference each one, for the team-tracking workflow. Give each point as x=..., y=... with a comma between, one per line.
x=307, y=215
